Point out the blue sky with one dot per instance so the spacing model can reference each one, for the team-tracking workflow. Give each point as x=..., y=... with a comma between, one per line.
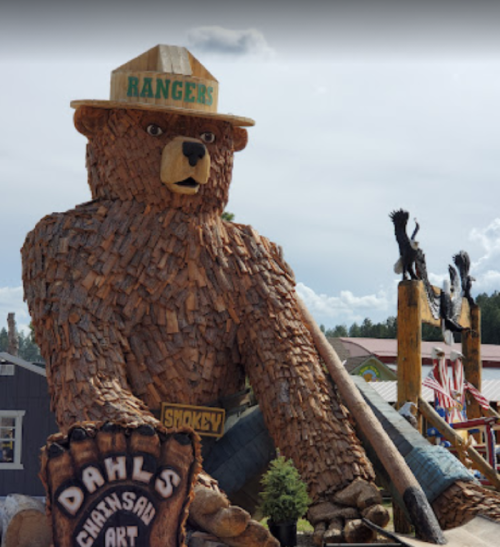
x=360, y=108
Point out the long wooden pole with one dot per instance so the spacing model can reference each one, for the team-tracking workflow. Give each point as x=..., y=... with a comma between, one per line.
x=419, y=509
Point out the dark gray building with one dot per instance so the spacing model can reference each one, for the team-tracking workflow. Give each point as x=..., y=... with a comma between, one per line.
x=25, y=423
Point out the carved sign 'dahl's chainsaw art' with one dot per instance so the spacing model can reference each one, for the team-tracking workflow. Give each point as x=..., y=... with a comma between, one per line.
x=144, y=296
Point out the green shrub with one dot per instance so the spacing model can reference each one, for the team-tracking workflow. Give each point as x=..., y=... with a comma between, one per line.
x=284, y=497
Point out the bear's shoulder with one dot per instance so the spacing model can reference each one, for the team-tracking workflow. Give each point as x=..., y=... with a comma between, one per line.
x=260, y=247
x=59, y=237
x=51, y=228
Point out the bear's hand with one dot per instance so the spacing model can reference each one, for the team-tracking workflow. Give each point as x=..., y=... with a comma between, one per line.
x=339, y=520
x=212, y=512
x=110, y=486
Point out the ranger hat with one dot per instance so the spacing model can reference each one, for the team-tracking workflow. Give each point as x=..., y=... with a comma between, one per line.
x=169, y=79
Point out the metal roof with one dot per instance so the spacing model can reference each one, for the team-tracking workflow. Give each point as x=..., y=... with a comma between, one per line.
x=8, y=358
x=388, y=347
x=389, y=390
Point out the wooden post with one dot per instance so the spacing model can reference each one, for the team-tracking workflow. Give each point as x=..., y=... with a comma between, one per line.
x=409, y=363
x=409, y=343
x=471, y=349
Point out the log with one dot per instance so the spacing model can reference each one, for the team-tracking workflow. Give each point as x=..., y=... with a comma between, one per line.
x=419, y=509
x=23, y=522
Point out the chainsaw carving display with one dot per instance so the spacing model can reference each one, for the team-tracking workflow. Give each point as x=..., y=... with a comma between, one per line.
x=144, y=295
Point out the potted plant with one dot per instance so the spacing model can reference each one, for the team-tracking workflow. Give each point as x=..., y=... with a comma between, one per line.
x=284, y=500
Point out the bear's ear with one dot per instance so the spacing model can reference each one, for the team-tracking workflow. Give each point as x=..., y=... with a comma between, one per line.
x=89, y=120
x=240, y=138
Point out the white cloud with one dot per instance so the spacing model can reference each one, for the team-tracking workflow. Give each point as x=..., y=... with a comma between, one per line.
x=438, y=279
x=486, y=269
x=347, y=307
x=11, y=301
x=230, y=42
x=489, y=239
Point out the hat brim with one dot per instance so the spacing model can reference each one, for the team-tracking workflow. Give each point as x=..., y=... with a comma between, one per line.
x=233, y=120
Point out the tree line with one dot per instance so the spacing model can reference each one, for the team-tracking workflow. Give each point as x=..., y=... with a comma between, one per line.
x=28, y=350
x=490, y=325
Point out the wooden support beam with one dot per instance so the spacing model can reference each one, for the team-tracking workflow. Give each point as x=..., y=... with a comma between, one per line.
x=457, y=441
x=409, y=342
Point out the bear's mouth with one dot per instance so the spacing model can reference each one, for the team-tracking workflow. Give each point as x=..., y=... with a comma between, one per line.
x=188, y=183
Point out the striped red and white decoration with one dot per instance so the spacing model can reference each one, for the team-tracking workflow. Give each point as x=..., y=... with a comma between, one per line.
x=444, y=399
x=480, y=398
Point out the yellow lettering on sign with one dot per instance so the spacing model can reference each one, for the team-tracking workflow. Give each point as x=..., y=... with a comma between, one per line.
x=178, y=418
x=168, y=418
x=205, y=422
x=187, y=419
x=216, y=421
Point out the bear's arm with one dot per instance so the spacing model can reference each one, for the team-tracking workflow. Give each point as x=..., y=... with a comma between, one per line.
x=80, y=336
x=301, y=408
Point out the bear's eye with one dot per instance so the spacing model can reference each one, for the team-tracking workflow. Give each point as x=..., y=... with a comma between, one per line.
x=154, y=130
x=208, y=137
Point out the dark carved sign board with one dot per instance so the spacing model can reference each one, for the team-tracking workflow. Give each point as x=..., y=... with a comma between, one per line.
x=119, y=518
x=134, y=497
x=204, y=420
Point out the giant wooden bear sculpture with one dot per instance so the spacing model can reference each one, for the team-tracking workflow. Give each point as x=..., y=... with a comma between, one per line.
x=144, y=295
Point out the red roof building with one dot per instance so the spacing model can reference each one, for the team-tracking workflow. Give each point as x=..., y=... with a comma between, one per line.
x=386, y=350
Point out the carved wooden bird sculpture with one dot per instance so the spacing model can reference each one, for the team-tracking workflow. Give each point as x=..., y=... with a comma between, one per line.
x=462, y=262
x=450, y=306
x=408, y=246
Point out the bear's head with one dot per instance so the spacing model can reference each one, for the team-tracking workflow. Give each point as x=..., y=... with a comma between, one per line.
x=159, y=158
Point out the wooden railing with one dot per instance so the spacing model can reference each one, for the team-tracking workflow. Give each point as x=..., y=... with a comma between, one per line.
x=458, y=442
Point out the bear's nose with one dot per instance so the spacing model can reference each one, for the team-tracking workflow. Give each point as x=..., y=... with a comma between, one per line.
x=193, y=151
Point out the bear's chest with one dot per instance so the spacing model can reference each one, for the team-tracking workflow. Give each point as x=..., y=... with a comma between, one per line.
x=176, y=291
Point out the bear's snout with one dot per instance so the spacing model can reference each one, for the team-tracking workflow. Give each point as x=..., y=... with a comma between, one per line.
x=193, y=151
x=185, y=165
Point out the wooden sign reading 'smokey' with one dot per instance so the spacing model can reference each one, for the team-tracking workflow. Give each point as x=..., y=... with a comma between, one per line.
x=120, y=488
x=204, y=420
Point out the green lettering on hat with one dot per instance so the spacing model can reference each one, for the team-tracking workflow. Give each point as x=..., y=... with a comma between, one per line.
x=188, y=92
x=147, y=87
x=210, y=99
x=162, y=88
x=133, y=86
x=177, y=90
x=202, y=89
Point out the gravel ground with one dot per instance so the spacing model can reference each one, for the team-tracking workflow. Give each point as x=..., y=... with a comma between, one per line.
x=304, y=540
